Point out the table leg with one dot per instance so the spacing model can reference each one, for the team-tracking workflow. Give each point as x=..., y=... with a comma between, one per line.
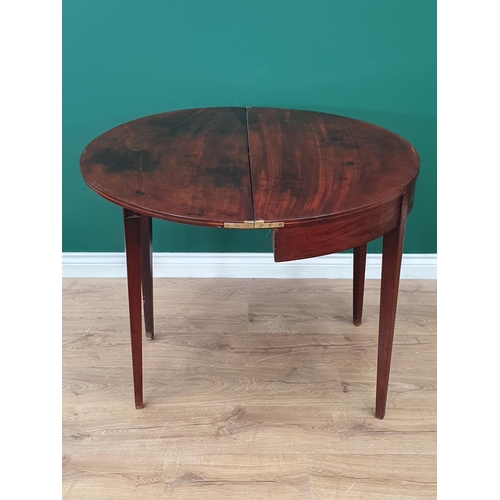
x=132, y=223
x=359, y=283
x=147, y=274
x=392, y=253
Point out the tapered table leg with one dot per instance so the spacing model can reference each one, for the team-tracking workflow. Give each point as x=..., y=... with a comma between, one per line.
x=147, y=275
x=132, y=222
x=392, y=253
x=358, y=283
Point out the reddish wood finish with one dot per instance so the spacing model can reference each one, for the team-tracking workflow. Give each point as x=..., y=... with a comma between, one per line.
x=193, y=166
x=133, y=253
x=308, y=165
x=147, y=274
x=359, y=258
x=392, y=252
x=185, y=166
x=335, y=183
x=334, y=235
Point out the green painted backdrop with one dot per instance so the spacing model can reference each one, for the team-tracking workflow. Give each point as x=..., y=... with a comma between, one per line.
x=122, y=59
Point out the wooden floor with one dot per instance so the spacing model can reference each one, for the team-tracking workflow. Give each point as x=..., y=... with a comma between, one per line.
x=253, y=389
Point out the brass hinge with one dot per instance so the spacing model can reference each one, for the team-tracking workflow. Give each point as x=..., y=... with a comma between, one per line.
x=260, y=224
x=250, y=224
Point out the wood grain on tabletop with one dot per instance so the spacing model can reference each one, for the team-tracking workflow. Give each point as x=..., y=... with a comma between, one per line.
x=187, y=166
x=307, y=165
x=215, y=165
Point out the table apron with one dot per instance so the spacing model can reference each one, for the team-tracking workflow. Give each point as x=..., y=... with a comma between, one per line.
x=346, y=231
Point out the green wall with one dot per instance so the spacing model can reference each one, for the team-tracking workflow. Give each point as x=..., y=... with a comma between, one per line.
x=373, y=60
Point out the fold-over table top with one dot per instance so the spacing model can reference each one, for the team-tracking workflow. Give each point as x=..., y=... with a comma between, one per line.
x=213, y=166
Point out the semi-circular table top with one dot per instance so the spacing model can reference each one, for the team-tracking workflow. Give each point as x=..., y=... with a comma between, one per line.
x=217, y=166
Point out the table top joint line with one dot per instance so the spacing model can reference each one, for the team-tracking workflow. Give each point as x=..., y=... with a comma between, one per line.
x=249, y=162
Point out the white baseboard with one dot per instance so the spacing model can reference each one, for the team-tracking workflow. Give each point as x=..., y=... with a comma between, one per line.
x=241, y=265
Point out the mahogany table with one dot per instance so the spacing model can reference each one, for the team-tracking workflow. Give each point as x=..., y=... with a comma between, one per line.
x=323, y=183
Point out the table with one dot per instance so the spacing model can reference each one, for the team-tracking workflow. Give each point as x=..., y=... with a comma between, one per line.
x=322, y=183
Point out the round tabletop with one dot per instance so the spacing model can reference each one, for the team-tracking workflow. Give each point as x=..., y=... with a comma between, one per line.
x=228, y=166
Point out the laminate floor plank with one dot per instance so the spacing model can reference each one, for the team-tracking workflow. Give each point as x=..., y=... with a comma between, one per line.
x=397, y=477
x=253, y=388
